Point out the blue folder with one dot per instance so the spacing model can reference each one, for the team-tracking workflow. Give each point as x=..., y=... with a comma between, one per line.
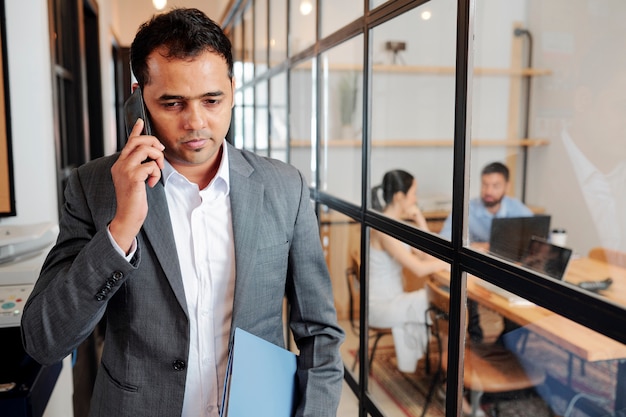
x=260, y=379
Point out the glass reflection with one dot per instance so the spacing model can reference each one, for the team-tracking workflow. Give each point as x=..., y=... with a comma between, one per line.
x=248, y=44
x=336, y=14
x=302, y=128
x=399, y=304
x=341, y=134
x=563, y=360
x=248, y=119
x=548, y=103
x=261, y=46
x=303, y=18
x=261, y=118
x=341, y=237
x=278, y=117
x=238, y=120
x=413, y=103
x=277, y=31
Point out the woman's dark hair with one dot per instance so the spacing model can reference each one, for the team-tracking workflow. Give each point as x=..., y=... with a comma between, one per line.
x=184, y=33
x=393, y=182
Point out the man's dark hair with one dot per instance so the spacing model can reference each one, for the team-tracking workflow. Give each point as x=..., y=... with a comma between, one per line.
x=496, y=168
x=184, y=33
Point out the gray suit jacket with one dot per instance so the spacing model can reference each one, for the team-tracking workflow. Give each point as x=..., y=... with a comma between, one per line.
x=143, y=367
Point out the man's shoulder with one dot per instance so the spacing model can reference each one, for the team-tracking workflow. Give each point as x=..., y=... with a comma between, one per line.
x=262, y=165
x=103, y=162
x=512, y=201
x=516, y=207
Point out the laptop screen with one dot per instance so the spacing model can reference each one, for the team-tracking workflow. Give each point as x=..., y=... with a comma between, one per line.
x=547, y=258
x=510, y=235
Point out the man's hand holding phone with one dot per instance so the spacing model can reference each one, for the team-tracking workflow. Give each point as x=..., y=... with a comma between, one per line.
x=139, y=163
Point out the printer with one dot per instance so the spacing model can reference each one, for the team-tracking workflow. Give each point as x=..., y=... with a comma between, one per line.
x=26, y=387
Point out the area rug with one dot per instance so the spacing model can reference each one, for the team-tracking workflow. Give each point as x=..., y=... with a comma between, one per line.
x=595, y=382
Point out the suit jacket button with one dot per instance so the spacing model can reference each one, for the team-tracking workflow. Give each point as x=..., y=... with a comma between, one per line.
x=178, y=365
x=100, y=296
x=117, y=275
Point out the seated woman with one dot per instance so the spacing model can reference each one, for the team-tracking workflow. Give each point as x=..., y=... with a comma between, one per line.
x=389, y=304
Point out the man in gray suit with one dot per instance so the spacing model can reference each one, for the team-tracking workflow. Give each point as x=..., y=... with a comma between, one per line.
x=179, y=239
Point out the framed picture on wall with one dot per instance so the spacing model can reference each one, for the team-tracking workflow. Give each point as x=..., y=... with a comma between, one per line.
x=7, y=194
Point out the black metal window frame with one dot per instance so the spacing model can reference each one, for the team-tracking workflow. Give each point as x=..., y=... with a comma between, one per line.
x=598, y=314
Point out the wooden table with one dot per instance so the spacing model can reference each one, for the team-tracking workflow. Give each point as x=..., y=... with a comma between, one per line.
x=569, y=335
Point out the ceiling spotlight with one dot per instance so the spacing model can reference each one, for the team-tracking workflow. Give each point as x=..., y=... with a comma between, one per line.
x=426, y=15
x=306, y=7
x=159, y=4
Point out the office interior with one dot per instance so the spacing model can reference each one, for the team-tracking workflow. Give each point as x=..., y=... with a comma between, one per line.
x=346, y=91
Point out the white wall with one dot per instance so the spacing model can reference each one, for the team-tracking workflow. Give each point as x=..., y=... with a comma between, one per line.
x=30, y=76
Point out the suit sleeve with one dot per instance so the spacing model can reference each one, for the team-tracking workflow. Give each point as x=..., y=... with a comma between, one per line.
x=80, y=274
x=313, y=318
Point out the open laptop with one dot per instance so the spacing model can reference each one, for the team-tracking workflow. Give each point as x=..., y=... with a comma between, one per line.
x=540, y=256
x=547, y=258
x=510, y=236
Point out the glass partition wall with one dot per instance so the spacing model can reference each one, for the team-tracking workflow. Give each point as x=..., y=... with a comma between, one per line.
x=467, y=162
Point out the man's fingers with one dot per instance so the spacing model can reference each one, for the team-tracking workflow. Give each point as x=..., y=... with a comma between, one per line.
x=137, y=128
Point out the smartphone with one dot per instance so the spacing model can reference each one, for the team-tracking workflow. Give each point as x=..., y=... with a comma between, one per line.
x=135, y=108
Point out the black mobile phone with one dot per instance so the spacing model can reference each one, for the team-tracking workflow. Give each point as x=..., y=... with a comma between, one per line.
x=135, y=108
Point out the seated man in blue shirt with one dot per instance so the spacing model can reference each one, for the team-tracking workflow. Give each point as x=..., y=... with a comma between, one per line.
x=493, y=202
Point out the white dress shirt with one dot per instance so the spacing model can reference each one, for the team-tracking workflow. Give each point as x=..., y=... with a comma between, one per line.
x=203, y=232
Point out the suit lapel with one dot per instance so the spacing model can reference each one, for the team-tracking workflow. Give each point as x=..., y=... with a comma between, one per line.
x=158, y=231
x=246, y=199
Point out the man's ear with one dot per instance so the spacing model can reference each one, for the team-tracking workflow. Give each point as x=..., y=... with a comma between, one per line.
x=134, y=87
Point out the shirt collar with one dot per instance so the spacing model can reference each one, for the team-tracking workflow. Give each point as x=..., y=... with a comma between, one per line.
x=221, y=179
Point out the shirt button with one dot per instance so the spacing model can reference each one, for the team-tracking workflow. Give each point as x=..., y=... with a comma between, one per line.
x=179, y=365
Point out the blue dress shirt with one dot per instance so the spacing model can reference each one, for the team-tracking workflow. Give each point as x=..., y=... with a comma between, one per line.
x=480, y=218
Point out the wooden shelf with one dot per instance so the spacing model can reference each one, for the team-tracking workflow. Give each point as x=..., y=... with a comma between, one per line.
x=415, y=143
x=439, y=70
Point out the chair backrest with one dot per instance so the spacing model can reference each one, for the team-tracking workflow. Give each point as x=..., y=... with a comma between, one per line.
x=611, y=256
x=354, y=295
x=437, y=297
x=438, y=309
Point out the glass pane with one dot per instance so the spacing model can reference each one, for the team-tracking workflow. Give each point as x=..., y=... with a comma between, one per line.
x=558, y=128
x=578, y=106
x=566, y=361
x=341, y=237
x=375, y=3
x=248, y=118
x=261, y=118
x=278, y=31
x=303, y=15
x=413, y=103
x=342, y=110
x=278, y=117
x=407, y=357
x=260, y=36
x=237, y=44
x=336, y=14
x=302, y=134
x=238, y=120
x=248, y=44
